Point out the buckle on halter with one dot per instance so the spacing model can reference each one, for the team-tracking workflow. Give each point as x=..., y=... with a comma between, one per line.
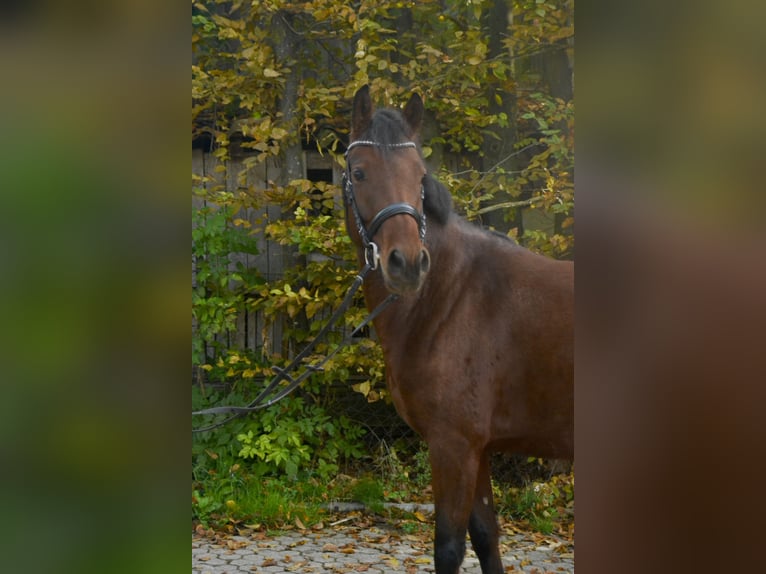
x=371, y=255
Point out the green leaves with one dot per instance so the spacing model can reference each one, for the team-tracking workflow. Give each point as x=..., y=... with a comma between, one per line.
x=217, y=296
x=294, y=437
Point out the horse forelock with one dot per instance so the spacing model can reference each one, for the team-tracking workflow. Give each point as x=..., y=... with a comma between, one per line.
x=388, y=127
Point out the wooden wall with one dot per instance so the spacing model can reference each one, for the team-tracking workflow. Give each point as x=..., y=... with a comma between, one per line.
x=271, y=259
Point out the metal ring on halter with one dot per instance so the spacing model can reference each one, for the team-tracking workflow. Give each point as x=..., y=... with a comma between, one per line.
x=371, y=255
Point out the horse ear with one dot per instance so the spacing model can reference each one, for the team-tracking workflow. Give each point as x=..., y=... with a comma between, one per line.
x=413, y=112
x=361, y=114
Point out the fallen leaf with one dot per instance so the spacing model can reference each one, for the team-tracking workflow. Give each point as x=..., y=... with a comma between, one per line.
x=329, y=548
x=299, y=524
x=420, y=516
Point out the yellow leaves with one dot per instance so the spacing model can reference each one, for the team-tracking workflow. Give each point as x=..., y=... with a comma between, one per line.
x=366, y=389
x=420, y=516
x=474, y=60
x=302, y=186
x=279, y=133
x=311, y=308
x=271, y=73
x=363, y=388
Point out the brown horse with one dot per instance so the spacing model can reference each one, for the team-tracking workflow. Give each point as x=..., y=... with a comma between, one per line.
x=479, y=345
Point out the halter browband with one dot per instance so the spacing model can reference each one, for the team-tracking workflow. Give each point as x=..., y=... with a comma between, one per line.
x=369, y=143
x=370, y=248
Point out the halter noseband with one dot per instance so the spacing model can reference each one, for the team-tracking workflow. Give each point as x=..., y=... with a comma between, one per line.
x=371, y=249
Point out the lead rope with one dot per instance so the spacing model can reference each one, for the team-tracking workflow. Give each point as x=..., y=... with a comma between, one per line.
x=284, y=374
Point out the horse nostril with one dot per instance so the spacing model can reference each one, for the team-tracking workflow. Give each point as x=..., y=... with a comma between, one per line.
x=396, y=260
x=425, y=261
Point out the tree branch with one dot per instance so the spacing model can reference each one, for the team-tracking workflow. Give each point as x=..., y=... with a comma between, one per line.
x=509, y=205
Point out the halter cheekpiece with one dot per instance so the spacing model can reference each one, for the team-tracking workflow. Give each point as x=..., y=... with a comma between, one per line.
x=371, y=249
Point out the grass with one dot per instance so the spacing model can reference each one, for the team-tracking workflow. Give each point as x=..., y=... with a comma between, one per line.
x=259, y=502
x=544, y=506
x=369, y=492
x=230, y=496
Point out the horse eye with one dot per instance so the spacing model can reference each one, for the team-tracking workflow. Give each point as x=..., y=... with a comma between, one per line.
x=358, y=174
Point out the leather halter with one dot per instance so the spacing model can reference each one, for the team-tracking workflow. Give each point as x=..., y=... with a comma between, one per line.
x=367, y=234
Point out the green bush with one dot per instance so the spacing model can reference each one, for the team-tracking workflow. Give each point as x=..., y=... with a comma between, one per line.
x=298, y=437
x=239, y=469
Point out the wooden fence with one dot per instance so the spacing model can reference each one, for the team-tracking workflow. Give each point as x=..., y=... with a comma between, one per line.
x=253, y=332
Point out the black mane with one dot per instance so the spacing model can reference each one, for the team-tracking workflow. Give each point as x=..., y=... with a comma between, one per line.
x=438, y=200
x=438, y=207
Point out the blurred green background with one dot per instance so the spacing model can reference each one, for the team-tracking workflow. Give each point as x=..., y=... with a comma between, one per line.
x=94, y=297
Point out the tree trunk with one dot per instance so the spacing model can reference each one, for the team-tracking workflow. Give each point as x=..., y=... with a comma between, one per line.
x=287, y=44
x=496, y=21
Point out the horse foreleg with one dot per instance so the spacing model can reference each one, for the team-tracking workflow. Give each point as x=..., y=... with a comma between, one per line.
x=483, y=523
x=453, y=473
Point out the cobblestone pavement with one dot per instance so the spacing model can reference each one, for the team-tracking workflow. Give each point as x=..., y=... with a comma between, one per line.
x=373, y=550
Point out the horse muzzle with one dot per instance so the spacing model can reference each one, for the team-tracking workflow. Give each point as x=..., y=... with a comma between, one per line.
x=403, y=274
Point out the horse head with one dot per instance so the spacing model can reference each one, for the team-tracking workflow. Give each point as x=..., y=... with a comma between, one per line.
x=384, y=191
